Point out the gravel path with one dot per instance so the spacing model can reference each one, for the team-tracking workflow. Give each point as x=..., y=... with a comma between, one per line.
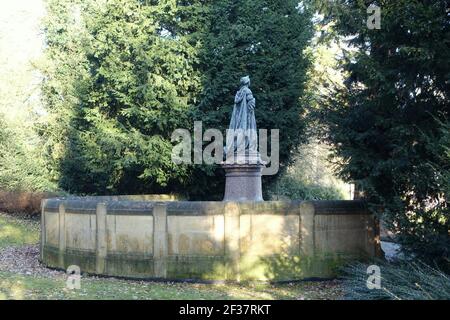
x=24, y=260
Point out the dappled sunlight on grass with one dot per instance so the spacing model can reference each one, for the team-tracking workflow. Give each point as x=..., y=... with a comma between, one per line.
x=244, y=292
x=13, y=286
x=15, y=231
x=17, y=291
x=13, y=289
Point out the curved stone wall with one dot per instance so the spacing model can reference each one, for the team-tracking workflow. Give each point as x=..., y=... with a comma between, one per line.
x=205, y=240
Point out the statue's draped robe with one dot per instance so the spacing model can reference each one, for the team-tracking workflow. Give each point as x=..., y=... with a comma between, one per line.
x=242, y=135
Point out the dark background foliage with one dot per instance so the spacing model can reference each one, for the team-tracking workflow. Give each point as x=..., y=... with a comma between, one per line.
x=390, y=124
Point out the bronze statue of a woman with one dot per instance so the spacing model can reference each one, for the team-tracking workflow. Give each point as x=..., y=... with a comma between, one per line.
x=243, y=165
x=242, y=136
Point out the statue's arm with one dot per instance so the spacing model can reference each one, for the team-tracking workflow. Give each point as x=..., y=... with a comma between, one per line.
x=251, y=101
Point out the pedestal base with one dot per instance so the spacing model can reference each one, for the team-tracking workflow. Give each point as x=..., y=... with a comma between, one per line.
x=243, y=182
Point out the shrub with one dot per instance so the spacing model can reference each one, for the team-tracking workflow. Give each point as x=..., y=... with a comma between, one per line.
x=17, y=202
x=310, y=177
x=293, y=188
x=399, y=281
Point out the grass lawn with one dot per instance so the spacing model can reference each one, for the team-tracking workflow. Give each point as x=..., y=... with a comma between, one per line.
x=16, y=232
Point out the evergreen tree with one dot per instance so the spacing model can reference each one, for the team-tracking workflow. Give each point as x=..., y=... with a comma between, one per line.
x=66, y=75
x=124, y=74
x=394, y=106
x=137, y=90
x=22, y=167
x=265, y=40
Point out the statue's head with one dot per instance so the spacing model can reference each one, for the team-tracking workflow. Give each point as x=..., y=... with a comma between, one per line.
x=245, y=81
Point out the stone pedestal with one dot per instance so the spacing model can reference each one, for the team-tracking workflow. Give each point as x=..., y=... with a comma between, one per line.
x=243, y=179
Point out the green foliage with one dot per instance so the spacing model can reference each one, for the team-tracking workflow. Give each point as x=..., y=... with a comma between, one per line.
x=21, y=162
x=66, y=76
x=389, y=123
x=131, y=87
x=266, y=40
x=288, y=187
x=311, y=174
x=310, y=177
x=21, y=166
x=399, y=281
x=121, y=76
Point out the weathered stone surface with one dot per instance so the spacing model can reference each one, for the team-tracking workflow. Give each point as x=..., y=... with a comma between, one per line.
x=233, y=240
x=243, y=182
